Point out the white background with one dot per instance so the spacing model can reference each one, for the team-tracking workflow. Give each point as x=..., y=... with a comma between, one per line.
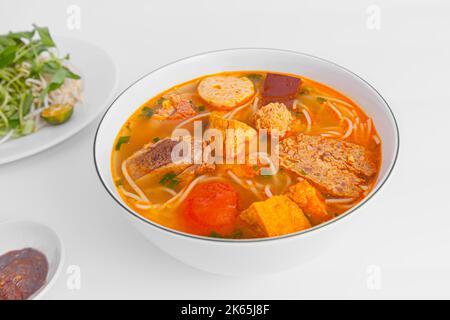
x=404, y=231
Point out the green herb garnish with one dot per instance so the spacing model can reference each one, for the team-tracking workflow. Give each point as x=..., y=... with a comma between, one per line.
x=147, y=112
x=119, y=182
x=254, y=76
x=304, y=91
x=321, y=99
x=24, y=56
x=214, y=234
x=201, y=108
x=161, y=100
x=236, y=234
x=44, y=34
x=156, y=139
x=57, y=81
x=122, y=140
x=169, y=180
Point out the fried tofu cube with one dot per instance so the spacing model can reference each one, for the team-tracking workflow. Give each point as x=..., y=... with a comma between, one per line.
x=242, y=133
x=275, y=216
x=310, y=201
x=218, y=122
x=243, y=170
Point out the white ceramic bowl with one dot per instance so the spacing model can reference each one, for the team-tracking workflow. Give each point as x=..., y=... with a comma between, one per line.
x=238, y=257
x=16, y=235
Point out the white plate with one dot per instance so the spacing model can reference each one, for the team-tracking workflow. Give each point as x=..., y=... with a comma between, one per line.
x=17, y=235
x=99, y=75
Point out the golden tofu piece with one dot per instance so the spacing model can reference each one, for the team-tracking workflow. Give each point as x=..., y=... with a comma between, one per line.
x=310, y=201
x=242, y=170
x=275, y=216
x=243, y=133
x=226, y=92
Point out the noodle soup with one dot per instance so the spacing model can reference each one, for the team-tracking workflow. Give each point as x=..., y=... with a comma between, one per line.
x=328, y=156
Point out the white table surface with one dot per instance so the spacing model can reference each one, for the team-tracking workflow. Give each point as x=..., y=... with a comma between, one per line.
x=403, y=231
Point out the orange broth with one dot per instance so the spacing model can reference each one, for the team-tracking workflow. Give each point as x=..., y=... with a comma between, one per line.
x=313, y=97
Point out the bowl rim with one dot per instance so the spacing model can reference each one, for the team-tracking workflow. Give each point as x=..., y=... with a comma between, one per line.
x=257, y=240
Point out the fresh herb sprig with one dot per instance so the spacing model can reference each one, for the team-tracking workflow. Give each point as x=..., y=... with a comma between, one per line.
x=122, y=140
x=27, y=55
x=169, y=180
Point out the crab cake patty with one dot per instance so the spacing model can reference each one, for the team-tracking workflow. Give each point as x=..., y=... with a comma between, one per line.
x=226, y=92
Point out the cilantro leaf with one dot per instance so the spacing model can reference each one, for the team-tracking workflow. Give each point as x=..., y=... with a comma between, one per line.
x=169, y=180
x=8, y=55
x=44, y=34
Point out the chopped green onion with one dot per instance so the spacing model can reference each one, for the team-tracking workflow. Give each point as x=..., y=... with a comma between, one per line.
x=147, y=112
x=169, y=180
x=321, y=99
x=214, y=234
x=304, y=91
x=237, y=234
x=122, y=140
x=254, y=76
x=161, y=100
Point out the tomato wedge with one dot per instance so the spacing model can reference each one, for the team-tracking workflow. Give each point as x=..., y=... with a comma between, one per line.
x=211, y=207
